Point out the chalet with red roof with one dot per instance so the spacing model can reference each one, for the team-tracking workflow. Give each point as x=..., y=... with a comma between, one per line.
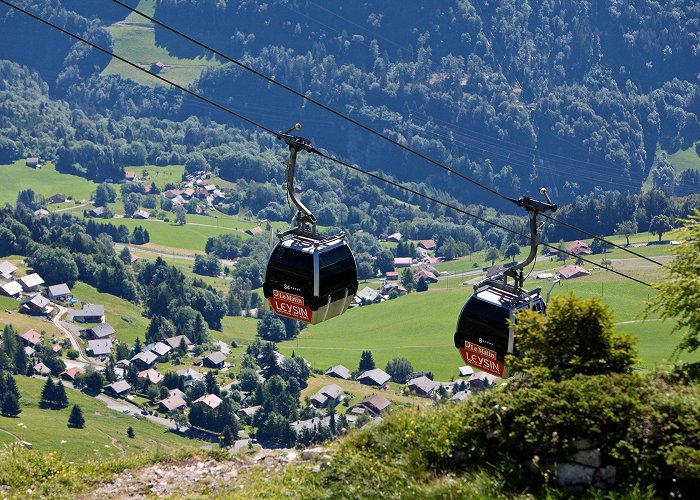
x=578, y=248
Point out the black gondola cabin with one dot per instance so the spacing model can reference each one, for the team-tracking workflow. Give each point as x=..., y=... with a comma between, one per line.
x=311, y=278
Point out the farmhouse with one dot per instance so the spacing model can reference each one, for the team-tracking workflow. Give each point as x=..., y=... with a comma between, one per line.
x=140, y=214
x=426, y=275
x=402, y=262
x=573, y=271
x=157, y=67
x=329, y=394
x=254, y=230
x=31, y=282
x=144, y=360
x=250, y=411
x=159, y=348
x=99, y=347
x=58, y=198
x=58, y=292
x=392, y=276
x=429, y=245
x=211, y=400
x=494, y=270
x=153, y=376
x=30, y=338
x=38, y=304
x=11, y=289
x=376, y=404
x=422, y=386
x=97, y=212
x=90, y=313
x=129, y=176
x=174, y=402
x=376, y=377
x=578, y=248
x=175, y=342
x=118, y=389
x=98, y=332
x=395, y=237
x=32, y=161
x=339, y=371
x=7, y=269
x=40, y=213
x=41, y=369
x=71, y=373
x=367, y=296
x=214, y=360
x=171, y=193
x=190, y=376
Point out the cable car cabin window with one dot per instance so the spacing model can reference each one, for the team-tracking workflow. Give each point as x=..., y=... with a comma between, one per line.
x=485, y=321
x=292, y=268
x=337, y=270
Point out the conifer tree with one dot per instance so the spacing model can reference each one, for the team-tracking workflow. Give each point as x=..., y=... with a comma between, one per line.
x=366, y=361
x=130, y=432
x=10, y=405
x=60, y=397
x=76, y=419
x=48, y=394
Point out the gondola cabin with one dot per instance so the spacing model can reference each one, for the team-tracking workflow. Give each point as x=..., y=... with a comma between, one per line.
x=311, y=278
x=484, y=336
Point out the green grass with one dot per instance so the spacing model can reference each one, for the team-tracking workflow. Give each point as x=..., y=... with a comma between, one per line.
x=138, y=44
x=104, y=434
x=238, y=328
x=685, y=159
x=160, y=175
x=45, y=181
x=125, y=317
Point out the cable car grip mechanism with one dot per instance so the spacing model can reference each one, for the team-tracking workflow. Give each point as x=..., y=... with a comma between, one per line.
x=304, y=219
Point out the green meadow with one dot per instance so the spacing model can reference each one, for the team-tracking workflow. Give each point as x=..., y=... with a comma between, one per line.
x=103, y=436
x=45, y=181
x=684, y=159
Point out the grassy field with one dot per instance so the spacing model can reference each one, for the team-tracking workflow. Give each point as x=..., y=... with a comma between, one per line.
x=125, y=317
x=138, y=44
x=45, y=181
x=684, y=159
x=238, y=328
x=104, y=434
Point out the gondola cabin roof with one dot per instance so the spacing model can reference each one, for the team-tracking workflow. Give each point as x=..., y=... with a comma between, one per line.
x=502, y=297
x=310, y=245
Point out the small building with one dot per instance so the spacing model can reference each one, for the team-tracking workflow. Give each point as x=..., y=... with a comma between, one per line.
x=70, y=374
x=41, y=369
x=40, y=213
x=402, y=262
x=249, y=412
x=33, y=161
x=254, y=230
x=102, y=347
x=214, y=360
x=578, y=248
x=394, y=237
x=429, y=245
x=376, y=377
x=58, y=198
x=392, y=276
x=130, y=176
x=144, y=360
x=494, y=270
x=573, y=271
x=466, y=371
x=422, y=386
x=176, y=341
x=12, y=289
x=153, y=376
x=140, y=214
x=56, y=349
x=174, y=402
x=123, y=364
x=160, y=348
x=426, y=275
x=171, y=193
x=97, y=212
x=376, y=404
x=480, y=381
x=459, y=396
x=7, y=269
x=367, y=296
x=310, y=424
x=339, y=371
x=29, y=351
x=157, y=67
x=58, y=292
x=118, y=389
x=191, y=376
x=544, y=276
x=90, y=313
x=30, y=338
x=31, y=282
x=37, y=304
x=98, y=332
x=211, y=400
x=188, y=193
x=329, y=394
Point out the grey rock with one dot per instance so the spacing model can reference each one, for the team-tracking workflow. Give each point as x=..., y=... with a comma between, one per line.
x=590, y=457
x=582, y=444
x=569, y=474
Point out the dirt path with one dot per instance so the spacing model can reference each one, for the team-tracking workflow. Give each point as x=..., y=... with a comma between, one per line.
x=11, y=434
x=114, y=442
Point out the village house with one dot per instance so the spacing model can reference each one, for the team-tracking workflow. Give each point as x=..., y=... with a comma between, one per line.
x=460, y=396
x=578, y=248
x=90, y=313
x=173, y=402
x=33, y=161
x=58, y=198
x=573, y=271
x=376, y=404
x=98, y=332
x=11, y=289
x=153, y=376
x=96, y=212
x=7, y=270
x=58, y=292
x=40, y=213
x=37, y=304
x=123, y=364
x=310, y=424
x=402, y=262
x=367, y=296
x=214, y=360
x=129, y=176
x=481, y=381
x=254, y=230
x=339, y=371
x=176, y=341
x=376, y=377
x=56, y=349
x=211, y=400
x=392, y=276
x=191, y=376
x=422, y=386
x=429, y=245
x=144, y=360
x=140, y=214
x=101, y=347
x=159, y=348
x=426, y=275
x=394, y=287
x=157, y=67
x=494, y=270
x=394, y=237
x=249, y=412
x=70, y=374
x=30, y=338
x=29, y=351
x=31, y=282
x=329, y=394
x=171, y=193
x=118, y=389
x=41, y=369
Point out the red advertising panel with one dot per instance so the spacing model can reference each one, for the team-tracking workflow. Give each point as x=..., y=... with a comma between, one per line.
x=291, y=306
x=482, y=358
